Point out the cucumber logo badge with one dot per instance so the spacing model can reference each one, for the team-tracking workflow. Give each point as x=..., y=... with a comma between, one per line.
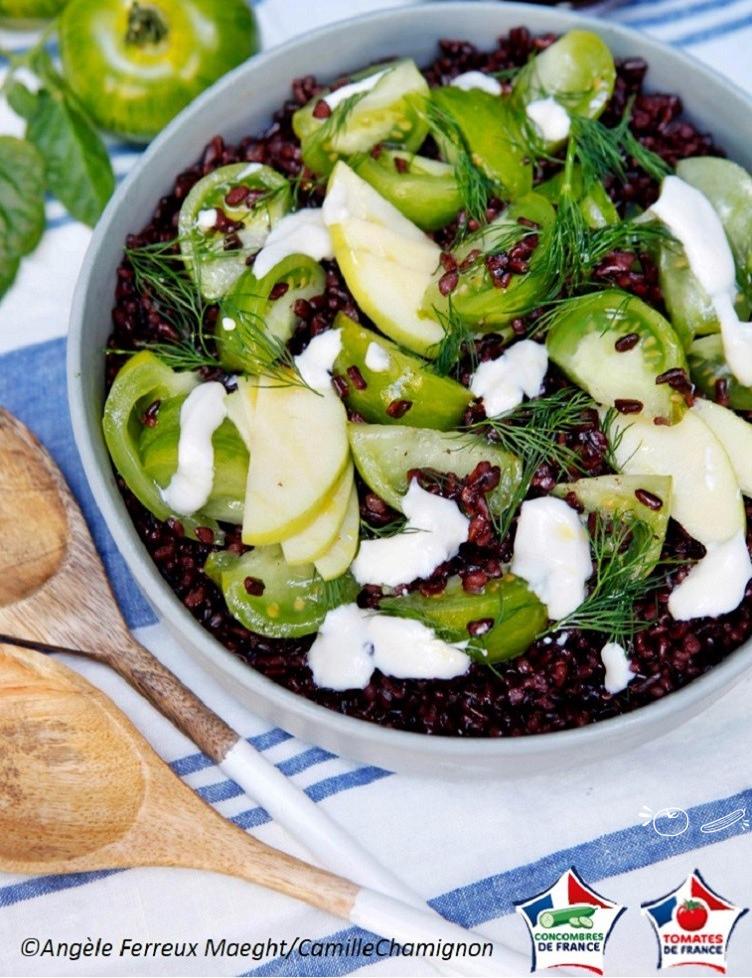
x=569, y=924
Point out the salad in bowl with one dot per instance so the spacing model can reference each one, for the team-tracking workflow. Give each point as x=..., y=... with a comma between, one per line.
x=430, y=401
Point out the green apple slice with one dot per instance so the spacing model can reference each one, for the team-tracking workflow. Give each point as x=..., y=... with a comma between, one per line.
x=735, y=434
x=314, y=541
x=385, y=259
x=705, y=496
x=342, y=552
x=292, y=474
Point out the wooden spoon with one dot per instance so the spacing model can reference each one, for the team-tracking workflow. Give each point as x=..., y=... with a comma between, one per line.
x=81, y=790
x=54, y=591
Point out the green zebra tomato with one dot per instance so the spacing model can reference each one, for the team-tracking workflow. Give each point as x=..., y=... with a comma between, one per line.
x=136, y=65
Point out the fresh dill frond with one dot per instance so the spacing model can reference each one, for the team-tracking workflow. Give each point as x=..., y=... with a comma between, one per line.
x=622, y=550
x=398, y=525
x=336, y=592
x=333, y=125
x=159, y=271
x=475, y=187
x=504, y=74
x=602, y=150
x=264, y=355
x=533, y=432
x=458, y=339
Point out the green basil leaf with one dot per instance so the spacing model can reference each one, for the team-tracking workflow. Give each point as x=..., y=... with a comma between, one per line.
x=79, y=172
x=21, y=204
x=21, y=99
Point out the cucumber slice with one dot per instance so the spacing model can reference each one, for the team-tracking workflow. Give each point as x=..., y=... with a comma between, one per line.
x=294, y=600
x=432, y=401
x=158, y=448
x=581, y=341
x=577, y=70
x=492, y=134
x=317, y=538
x=212, y=267
x=728, y=187
x=625, y=496
x=422, y=189
x=247, y=309
x=342, y=552
x=710, y=372
x=384, y=454
x=390, y=111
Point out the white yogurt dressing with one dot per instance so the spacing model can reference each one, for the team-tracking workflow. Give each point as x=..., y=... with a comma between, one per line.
x=251, y=168
x=301, y=233
x=552, y=553
x=434, y=531
x=316, y=362
x=228, y=324
x=201, y=413
x=550, y=119
x=477, y=79
x=353, y=642
x=693, y=220
x=377, y=359
x=616, y=661
x=333, y=99
x=206, y=219
x=716, y=584
x=503, y=382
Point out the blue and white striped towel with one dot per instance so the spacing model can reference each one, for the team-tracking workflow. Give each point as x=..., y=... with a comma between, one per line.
x=472, y=850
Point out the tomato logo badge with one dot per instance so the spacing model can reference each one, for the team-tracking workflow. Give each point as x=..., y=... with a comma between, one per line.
x=569, y=924
x=693, y=925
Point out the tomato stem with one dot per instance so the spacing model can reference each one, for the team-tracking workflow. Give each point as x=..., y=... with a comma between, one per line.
x=145, y=25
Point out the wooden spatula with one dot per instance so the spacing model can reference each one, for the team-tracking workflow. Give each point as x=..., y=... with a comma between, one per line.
x=81, y=790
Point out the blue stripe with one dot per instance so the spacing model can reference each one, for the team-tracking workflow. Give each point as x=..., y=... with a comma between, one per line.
x=682, y=13
x=199, y=762
x=711, y=33
x=32, y=386
x=623, y=851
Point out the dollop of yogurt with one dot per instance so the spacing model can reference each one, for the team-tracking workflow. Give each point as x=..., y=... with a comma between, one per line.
x=206, y=219
x=550, y=119
x=716, y=584
x=201, y=413
x=353, y=642
x=434, y=532
x=469, y=80
x=377, y=359
x=316, y=362
x=694, y=222
x=333, y=99
x=518, y=372
x=552, y=553
x=616, y=662
x=301, y=233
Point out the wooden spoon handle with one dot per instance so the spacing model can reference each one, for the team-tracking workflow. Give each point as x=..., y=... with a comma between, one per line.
x=166, y=692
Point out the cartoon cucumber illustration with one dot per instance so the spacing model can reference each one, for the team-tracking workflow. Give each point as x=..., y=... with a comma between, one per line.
x=575, y=916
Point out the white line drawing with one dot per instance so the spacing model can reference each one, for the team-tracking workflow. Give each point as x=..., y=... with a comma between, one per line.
x=667, y=822
x=726, y=821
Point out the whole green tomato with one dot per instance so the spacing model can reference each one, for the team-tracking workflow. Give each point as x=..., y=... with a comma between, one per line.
x=136, y=65
x=27, y=13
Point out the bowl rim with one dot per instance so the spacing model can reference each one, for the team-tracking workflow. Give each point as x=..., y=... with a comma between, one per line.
x=171, y=611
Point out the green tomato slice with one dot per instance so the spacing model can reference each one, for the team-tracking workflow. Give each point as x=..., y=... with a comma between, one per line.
x=424, y=190
x=212, y=267
x=384, y=454
x=476, y=300
x=294, y=600
x=577, y=70
x=248, y=315
x=429, y=401
x=390, y=111
x=710, y=372
x=581, y=341
x=491, y=133
x=625, y=496
x=158, y=448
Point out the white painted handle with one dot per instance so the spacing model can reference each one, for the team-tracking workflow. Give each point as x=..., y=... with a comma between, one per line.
x=389, y=918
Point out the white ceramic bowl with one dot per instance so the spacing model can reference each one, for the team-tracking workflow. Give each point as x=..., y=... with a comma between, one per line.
x=241, y=104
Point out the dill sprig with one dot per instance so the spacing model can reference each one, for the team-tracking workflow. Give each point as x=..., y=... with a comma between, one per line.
x=474, y=186
x=533, y=431
x=398, y=525
x=602, y=150
x=458, y=339
x=336, y=592
x=622, y=550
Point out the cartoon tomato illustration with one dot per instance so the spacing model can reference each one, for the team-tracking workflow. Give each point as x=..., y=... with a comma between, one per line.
x=691, y=915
